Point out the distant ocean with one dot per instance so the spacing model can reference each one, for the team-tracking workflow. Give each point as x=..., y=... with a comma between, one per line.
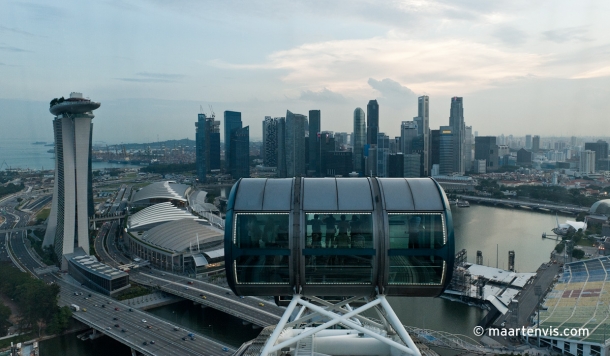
x=23, y=154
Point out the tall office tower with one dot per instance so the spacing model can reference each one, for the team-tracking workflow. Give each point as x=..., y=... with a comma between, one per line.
x=200, y=154
x=396, y=145
x=359, y=139
x=408, y=132
x=270, y=141
x=295, y=145
x=396, y=163
x=435, y=146
x=240, y=153
x=372, y=123
x=212, y=143
x=485, y=148
x=341, y=141
x=315, y=164
x=423, y=112
x=281, y=148
x=528, y=142
x=573, y=141
x=420, y=124
x=383, y=150
x=232, y=121
x=600, y=148
x=458, y=128
x=411, y=165
x=587, y=161
x=468, y=141
x=68, y=225
x=536, y=144
x=446, y=147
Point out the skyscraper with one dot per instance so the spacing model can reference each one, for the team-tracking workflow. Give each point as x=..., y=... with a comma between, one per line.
x=372, y=123
x=383, y=150
x=270, y=141
x=314, y=143
x=468, y=148
x=458, y=128
x=528, y=142
x=587, y=161
x=212, y=143
x=232, y=121
x=423, y=112
x=408, y=132
x=72, y=204
x=281, y=148
x=359, y=139
x=485, y=148
x=536, y=144
x=295, y=144
x=240, y=153
x=200, y=154
x=446, y=147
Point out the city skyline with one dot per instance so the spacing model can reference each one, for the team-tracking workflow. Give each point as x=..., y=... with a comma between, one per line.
x=162, y=61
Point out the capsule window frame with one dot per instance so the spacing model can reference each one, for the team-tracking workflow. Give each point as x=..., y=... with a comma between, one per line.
x=444, y=226
x=261, y=251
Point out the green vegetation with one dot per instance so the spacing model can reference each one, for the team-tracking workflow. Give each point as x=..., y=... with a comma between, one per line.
x=36, y=301
x=133, y=292
x=169, y=168
x=5, y=313
x=555, y=194
x=577, y=253
x=43, y=215
x=47, y=254
x=56, y=101
x=5, y=343
x=560, y=247
x=10, y=189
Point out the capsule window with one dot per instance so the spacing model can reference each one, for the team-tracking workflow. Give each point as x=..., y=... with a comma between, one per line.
x=416, y=270
x=347, y=230
x=262, y=252
x=419, y=231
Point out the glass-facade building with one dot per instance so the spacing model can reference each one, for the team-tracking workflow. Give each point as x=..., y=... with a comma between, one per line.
x=232, y=122
x=295, y=145
x=372, y=123
x=315, y=164
x=359, y=139
x=240, y=153
x=200, y=147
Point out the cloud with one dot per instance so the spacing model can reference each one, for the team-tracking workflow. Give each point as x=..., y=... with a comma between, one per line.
x=391, y=89
x=431, y=66
x=15, y=30
x=578, y=34
x=510, y=35
x=13, y=49
x=322, y=95
x=146, y=77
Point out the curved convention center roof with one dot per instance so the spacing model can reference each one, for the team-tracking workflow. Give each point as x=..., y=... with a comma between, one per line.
x=180, y=235
x=169, y=190
x=155, y=215
x=338, y=237
x=601, y=207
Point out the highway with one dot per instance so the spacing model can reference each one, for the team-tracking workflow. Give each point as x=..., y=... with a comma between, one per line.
x=131, y=330
x=248, y=309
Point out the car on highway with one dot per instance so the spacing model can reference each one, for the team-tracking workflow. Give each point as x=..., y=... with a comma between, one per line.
x=109, y=328
x=152, y=342
x=184, y=338
x=143, y=320
x=203, y=296
x=115, y=318
x=117, y=309
x=189, y=282
x=116, y=325
x=84, y=309
x=261, y=304
x=145, y=343
x=225, y=349
x=123, y=330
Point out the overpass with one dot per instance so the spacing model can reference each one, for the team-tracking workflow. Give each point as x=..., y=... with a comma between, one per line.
x=133, y=327
x=561, y=208
x=23, y=228
x=248, y=309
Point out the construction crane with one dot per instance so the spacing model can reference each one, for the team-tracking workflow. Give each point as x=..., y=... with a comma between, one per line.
x=212, y=111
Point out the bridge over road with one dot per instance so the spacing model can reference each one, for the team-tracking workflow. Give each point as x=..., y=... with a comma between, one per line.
x=564, y=208
x=132, y=330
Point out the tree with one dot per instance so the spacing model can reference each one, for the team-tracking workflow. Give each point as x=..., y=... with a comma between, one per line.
x=5, y=314
x=560, y=247
x=577, y=253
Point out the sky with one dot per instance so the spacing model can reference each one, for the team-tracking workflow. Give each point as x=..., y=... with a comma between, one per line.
x=523, y=67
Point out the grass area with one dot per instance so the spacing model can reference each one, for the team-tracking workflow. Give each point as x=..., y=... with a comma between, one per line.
x=43, y=214
x=133, y=292
x=6, y=343
x=584, y=242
